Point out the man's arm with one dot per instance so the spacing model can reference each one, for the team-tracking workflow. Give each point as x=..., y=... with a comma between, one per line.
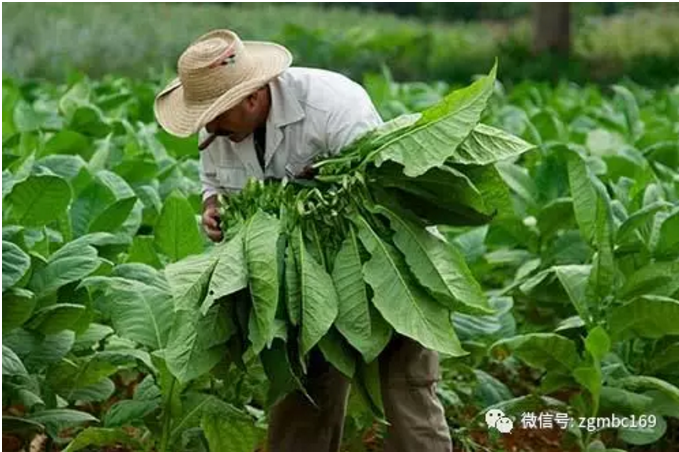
x=351, y=121
x=345, y=125
x=208, y=170
x=208, y=177
x=210, y=219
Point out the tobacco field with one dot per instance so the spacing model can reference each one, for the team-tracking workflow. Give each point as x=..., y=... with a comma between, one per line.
x=536, y=248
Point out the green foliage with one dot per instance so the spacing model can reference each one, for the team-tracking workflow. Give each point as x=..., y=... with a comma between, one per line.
x=561, y=258
x=106, y=39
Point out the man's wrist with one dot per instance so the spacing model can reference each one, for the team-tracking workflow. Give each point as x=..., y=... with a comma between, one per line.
x=211, y=201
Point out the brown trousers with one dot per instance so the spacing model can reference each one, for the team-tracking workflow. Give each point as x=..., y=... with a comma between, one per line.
x=408, y=374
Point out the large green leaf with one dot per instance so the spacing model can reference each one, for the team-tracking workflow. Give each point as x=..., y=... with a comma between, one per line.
x=11, y=363
x=39, y=199
x=544, y=351
x=130, y=227
x=658, y=278
x=437, y=265
x=68, y=142
x=79, y=373
x=367, y=383
x=176, y=146
x=66, y=166
x=638, y=382
x=96, y=392
x=478, y=327
x=143, y=251
x=444, y=195
x=648, y=316
x=189, y=279
x=231, y=433
x=8, y=182
x=338, y=353
x=555, y=216
x=149, y=196
x=142, y=273
x=494, y=191
x=640, y=436
x=603, y=277
x=261, y=237
x=440, y=130
x=623, y=402
x=27, y=394
x=38, y=351
x=585, y=198
x=353, y=319
x=486, y=145
x=129, y=412
x=57, y=419
x=78, y=94
x=631, y=110
x=590, y=378
x=89, y=121
x=56, y=318
x=192, y=347
x=598, y=344
x=72, y=262
x=293, y=291
x=230, y=275
x=380, y=335
x=639, y=220
x=17, y=307
x=100, y=437
x=119, y=353
x=279, y=371
x=113, y=216
x=194, y=407
x=319, y=296
x=520, y=181
x=21, y=424
x=29, y=119
x=90, y=202
x=574, y=279
x=147, y=389
x=176, y=231
x=401, y=301
x=668, y=241
x=15, y=264
x=489, y=390
x=141, y=313
x=145, y=317
x=665, y=360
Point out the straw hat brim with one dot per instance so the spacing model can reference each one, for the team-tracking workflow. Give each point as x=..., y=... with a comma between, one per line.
x=182, y=118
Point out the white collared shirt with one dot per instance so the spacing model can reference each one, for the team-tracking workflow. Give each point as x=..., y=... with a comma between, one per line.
x=313, y=112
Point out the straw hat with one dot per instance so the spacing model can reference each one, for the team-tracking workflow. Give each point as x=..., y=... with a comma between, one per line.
x=216, y=72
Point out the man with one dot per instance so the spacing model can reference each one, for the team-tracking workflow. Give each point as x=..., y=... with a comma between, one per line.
x=258, y=117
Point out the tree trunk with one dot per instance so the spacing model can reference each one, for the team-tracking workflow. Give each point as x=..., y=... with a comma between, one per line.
x=551, y=26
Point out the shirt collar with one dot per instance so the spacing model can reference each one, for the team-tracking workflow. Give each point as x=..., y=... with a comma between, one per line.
x=285, y=108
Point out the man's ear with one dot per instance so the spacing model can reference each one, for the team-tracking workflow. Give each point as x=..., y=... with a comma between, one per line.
x=252, y=100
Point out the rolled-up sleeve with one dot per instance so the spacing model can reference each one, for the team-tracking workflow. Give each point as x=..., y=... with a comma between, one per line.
x=350, y=122
x=208, y=171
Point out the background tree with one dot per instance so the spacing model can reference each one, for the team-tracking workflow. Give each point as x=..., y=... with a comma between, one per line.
x=552, y=28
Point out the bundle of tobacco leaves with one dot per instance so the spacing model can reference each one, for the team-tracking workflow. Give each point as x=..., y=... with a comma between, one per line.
x=343, y=261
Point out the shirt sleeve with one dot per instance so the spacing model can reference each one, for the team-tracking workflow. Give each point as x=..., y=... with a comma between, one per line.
x=208, y=171
x=350, y=122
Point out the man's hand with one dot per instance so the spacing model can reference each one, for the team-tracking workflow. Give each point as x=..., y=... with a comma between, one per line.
x=308, y=172
x=211, y=219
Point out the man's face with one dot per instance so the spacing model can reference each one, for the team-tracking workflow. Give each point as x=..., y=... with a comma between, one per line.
x=238, y=122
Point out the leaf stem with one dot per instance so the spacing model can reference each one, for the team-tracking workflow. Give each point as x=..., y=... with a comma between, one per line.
x=167, y=418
